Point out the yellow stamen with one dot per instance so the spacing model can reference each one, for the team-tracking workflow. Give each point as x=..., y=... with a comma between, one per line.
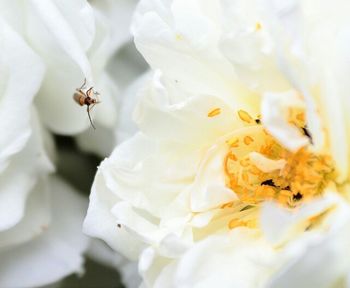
x=247, y=140
x=235, y=223
x=214, y=112
x=227, y=205
x=233, y=142
x=245, y=116
x=287, y=177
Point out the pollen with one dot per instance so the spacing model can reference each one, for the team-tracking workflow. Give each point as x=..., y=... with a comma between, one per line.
x=227, y=205
x=244, y=116
x=258, y=26
x=247, y=140
x=233, y=142
x=265, y=170
x=214, y=112
x=236, y=223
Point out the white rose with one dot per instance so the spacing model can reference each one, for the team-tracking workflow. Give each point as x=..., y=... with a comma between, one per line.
x=239, y=174
x=46, y=50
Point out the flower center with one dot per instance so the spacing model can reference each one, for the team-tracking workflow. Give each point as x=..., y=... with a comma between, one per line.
x=258, y=168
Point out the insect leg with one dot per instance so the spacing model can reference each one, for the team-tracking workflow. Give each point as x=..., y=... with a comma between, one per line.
x=92, y=106
x=82, y=86
x=88, y=92
x=88, y=111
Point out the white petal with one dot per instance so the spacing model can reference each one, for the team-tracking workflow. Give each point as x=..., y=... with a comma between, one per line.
x=265, y=164
x=279, y=224
x=118, y=15
x=55, y=254
x=183, y=116
x=18, y=64
x=34, y=221
x=209, y=188
x=163, y=34
x=101, y=223
x=151, y=181
x=136, y=222
x=318, y=258
x=60, y=25
x=273, y=110
x=106, y=111
x=51, y=35
x=128, y=100
x=239, y=259
x=26, y=167
x=248, y=48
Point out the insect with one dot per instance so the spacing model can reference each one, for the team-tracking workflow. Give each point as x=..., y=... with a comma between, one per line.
x=85, y=98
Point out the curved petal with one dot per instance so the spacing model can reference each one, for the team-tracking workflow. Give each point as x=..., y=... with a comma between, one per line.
x=317, y=259
x=228, y=267
x=127, y=127
x=57, y=252
x=35, y=220
x=52, y=36
x=27, y=167
x=247, y=44
x=99, y=221
x=22, y=72
x=171, y=39
x=184, y=116
x=118, y=14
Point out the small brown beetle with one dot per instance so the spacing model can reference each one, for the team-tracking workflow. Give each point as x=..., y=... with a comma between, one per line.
x=85, y=98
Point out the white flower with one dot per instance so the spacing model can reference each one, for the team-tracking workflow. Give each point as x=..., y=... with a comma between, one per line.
x=239, y=174
x=46, y=51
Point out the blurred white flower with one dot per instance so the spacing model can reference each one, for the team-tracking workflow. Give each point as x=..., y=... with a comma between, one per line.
x=53, y=223
x=239, y=175
x=46, y=50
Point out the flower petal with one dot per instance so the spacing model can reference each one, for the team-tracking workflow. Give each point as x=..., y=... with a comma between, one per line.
x=26, y=167
x=57, y=252
x=18, y=64
x=100, y=222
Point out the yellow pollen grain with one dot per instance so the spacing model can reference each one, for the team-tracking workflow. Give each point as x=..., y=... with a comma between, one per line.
x=227, y=205
x=244, y=115
x=258, y=26
x=301, y=117
x=244, y=162
x=214, y=112
x=245, y=177
x=233, y=142
x=232, y=157
x=235, y=223
x=247, y=140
